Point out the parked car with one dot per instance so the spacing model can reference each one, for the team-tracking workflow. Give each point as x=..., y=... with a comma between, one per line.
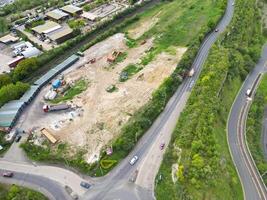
x=162, y=145
x=216, y=30
x=18, y=138
x=133, y=160
x=85, y=185
x=8, y=174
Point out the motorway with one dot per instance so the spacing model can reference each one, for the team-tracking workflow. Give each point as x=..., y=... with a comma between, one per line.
x=116, y=184
x=252, y=183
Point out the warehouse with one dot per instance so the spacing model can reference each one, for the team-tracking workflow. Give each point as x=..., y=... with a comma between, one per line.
x=89, y=16
x=57, y=15
x=8, y=39
x=31, y=52
x=46, y=28
x=61, y=35
x=72, y=10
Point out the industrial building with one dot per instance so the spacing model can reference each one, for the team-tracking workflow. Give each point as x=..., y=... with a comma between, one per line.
x=61, y=35
x=57, y=15
x=10, y=112
x=90, y=16
x=46, y=28
x=8, y=39
x=72, y=10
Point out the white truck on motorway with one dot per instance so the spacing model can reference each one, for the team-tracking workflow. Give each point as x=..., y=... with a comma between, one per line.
x=191, y=73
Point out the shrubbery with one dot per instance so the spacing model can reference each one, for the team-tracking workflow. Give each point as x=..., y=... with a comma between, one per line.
x=12, y=91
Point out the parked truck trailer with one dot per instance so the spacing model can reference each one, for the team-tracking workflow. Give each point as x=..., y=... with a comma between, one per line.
x=49, y=108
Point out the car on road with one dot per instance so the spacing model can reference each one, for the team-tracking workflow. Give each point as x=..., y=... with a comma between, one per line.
x=162, y=145
x=85, y=185
x=8, y=174
x=18, y=138
x=233, y=4
x=216, y=30
x=133, y=160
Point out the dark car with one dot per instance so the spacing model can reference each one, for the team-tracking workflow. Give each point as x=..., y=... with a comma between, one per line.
x=162, y=145
x=85, y=185
x=18, y=138
x=8, y=174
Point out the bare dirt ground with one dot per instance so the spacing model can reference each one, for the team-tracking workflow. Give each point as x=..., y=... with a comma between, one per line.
x=143, y=27
x=102, y=114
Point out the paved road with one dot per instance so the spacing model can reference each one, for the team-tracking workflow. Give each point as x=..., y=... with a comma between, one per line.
x=264, y=133
x=252, y=184
x=51, y=189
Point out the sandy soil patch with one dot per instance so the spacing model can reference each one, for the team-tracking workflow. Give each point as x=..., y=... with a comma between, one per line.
x=101, y=114
x=143, y=27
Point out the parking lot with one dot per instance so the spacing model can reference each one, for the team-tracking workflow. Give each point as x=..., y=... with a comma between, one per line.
x=6, y=57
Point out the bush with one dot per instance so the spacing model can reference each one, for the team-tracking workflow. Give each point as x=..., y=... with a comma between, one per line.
x=12, y=91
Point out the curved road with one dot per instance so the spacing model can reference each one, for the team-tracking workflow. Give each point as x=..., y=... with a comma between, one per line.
x=116, y=185
x=253, y=186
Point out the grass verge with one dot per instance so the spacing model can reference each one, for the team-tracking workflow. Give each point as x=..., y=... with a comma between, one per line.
x=254, y=127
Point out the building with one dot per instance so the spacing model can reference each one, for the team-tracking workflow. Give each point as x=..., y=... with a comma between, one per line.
x=46, y=28
x=31, y=52
x=57, y=15
x=61, y=35
x=72, y=10
x=90, y=16
x=8, y=39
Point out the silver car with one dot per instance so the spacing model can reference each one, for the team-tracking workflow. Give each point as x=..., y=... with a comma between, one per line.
x=133, y=160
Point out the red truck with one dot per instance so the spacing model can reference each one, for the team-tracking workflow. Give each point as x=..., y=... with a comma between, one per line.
x=49, y=108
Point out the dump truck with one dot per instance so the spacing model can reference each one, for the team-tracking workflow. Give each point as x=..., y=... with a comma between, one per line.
x=112, y=57
x=191, y=73
x=49, y=108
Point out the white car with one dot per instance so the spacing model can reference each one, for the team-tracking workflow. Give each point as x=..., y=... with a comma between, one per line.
x=133, y=160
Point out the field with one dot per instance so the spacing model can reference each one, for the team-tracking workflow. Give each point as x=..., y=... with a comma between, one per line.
x=254, y=127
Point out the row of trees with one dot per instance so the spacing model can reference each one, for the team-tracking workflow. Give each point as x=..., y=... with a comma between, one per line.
x=203, y=152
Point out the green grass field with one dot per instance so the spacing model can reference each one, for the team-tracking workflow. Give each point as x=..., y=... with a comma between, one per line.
x=179, y=22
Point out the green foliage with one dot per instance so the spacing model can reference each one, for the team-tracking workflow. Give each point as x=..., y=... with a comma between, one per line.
x=76, y=23
x=34, y=24
x=3, y=25
x=129, y=71
x=14, y=192
x=78, y=87
x=3, y=143
x=200, y=131
x=25, y=68
x=12, y=91
x=254, y=127
x=106, y=164
x=4, y=80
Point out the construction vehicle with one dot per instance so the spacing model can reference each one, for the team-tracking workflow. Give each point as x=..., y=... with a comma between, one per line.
x=191, y=73
x=112, y=57
x=49, y=108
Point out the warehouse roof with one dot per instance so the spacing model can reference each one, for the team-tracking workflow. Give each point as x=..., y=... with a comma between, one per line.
x=48, y=27
x=31, y=52
x=27, y=97
x=71, y=9
x=8, y=38
x=12, y=105
x=89, y=15
x=60, y=34
x=57, y=14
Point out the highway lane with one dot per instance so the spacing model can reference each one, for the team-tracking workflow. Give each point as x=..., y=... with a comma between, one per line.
x=116, y=183
x=252, y=184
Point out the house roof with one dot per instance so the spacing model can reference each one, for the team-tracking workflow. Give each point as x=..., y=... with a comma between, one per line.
x=71, y=9
x=57, y=14
x=48, y=27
